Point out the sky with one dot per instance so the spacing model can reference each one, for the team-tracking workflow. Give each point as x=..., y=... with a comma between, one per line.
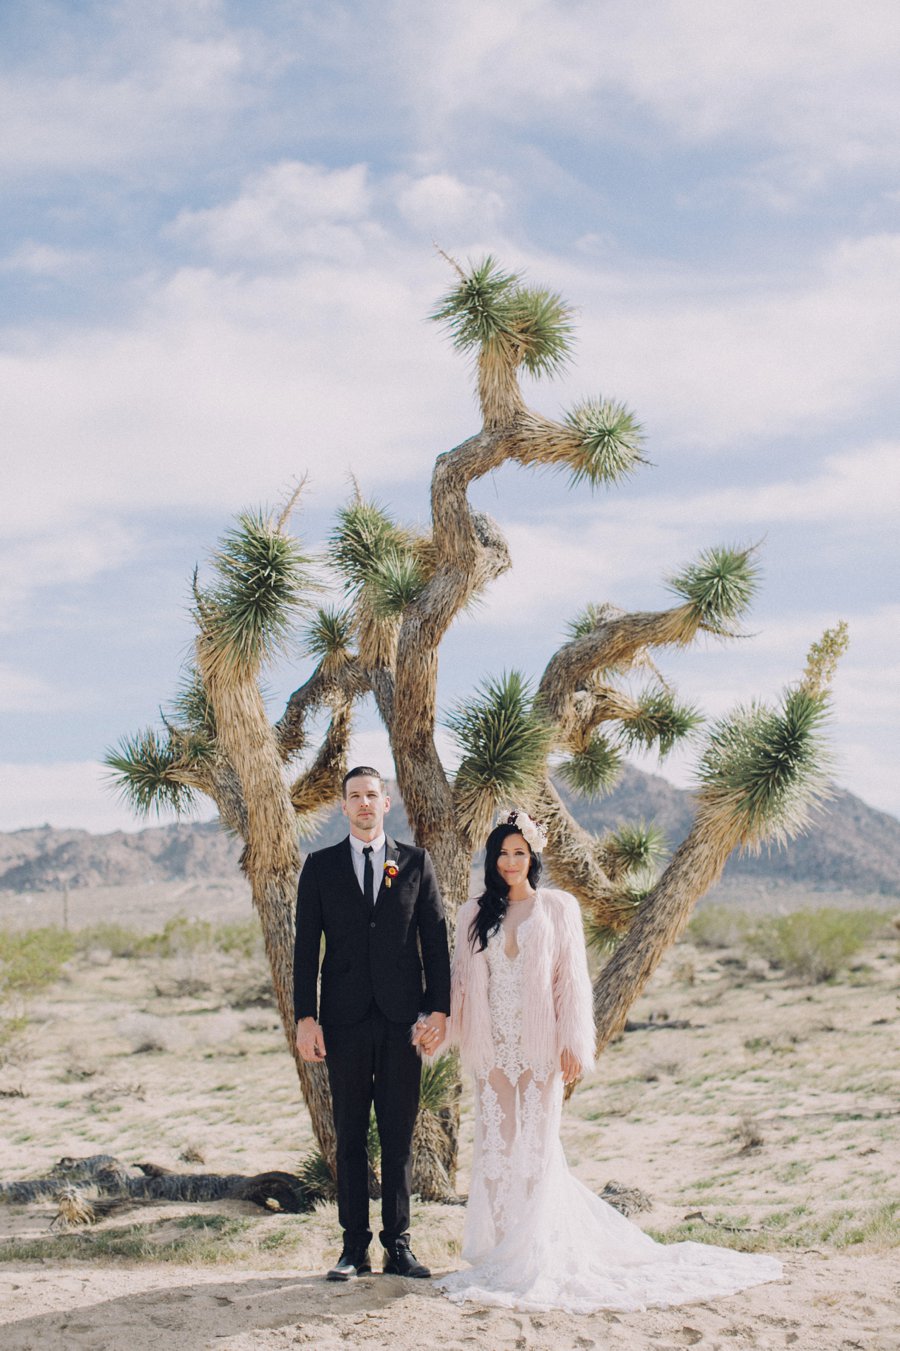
x=217, y=261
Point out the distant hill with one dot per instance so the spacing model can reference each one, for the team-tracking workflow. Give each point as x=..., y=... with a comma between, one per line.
x=46, y=859
x=851, y=847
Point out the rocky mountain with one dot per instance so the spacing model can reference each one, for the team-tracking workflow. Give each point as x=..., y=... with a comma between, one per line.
x=46, y=859
x=851, y=847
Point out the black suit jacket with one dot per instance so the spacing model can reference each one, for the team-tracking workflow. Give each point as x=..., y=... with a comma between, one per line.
x=394, y=953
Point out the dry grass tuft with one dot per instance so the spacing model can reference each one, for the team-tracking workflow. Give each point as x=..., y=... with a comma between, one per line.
x=749, y=1134
x=148, y=1034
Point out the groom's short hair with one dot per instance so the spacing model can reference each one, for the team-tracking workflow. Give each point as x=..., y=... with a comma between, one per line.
x=361, y=772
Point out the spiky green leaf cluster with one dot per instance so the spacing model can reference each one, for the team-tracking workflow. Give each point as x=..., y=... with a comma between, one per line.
x=633, y=848
x=476, y=311
x=718, y=587
x=263, y=581
x=503, y=737
x=610, y=442
x=363, y=538
x=584, y=623
x=603, y=937
x=395, y=583
x=192, y=707
x=315, y=1179
x=329, y=634
x=594, y=770
x=541, y=326
x=766, y=768
x=440, y=1082
x=144, y=768
x=490, y=308
x=660, y=721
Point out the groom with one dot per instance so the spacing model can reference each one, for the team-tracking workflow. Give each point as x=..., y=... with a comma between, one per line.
x=386, y=961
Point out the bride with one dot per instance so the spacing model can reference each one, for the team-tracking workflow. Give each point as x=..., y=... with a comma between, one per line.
x=522, y=1018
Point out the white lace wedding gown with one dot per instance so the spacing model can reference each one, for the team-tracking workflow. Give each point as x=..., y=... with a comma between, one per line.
x=536, y=1237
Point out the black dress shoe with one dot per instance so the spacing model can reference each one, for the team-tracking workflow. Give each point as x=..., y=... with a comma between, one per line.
x=350, y=1264
x=399, y=1261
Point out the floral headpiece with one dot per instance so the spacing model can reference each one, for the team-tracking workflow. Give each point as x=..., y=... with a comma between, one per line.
x=532, y=832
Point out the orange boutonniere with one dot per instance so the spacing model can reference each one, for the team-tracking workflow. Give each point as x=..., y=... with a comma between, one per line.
x=390, y=872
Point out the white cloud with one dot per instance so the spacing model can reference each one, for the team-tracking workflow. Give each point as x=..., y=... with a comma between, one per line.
x=223, y=389
x=809, y=79
x=604, y=549
x=710, y=359
x=860, y=487
x=287, y=211
x=445, y=207
x=58, y=558
x=140, y=85
x=44, y=260
x=573, y=557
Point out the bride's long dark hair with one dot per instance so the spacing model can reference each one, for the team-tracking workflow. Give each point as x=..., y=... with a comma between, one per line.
x=493, y=902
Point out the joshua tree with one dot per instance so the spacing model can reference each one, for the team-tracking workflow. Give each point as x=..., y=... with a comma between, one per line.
x=761, y=769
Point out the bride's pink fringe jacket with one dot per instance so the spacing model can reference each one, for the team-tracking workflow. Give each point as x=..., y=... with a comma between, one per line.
x=557, y=1004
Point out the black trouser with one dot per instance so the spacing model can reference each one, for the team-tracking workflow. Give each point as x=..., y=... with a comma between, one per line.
x=373, y=1061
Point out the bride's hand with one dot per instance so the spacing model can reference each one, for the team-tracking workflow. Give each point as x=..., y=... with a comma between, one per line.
x=571, y=1068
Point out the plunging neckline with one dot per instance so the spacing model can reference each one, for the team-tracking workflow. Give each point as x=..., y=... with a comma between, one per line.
x=514, y=957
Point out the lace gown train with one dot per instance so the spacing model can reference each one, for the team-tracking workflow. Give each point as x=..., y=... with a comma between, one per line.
x=536, y=1237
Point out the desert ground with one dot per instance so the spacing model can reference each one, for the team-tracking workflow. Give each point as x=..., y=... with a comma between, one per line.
x=770, y=1119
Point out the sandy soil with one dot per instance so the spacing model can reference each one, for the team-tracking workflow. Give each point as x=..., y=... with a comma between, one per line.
x=775, y=1113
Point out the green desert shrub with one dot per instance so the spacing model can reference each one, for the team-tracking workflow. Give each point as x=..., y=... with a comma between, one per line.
x=31, y=960
x=717, y=926
x=813, y=945
x=179, y=937
x=240, y=939
x=111, y=937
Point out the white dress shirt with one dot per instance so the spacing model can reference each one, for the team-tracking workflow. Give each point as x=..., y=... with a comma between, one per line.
x=356, y=854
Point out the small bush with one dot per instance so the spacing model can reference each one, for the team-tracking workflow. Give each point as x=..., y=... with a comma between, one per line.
x=179, y=937
x=112, y=938
x=146, y=1033
x=241, y=940
x=33, y=959
x=813, y=944
x=717, y=926
x=749, y=1134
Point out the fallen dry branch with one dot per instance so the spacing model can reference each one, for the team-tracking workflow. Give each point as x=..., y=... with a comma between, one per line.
x=727, y=1228
x=659, y=1025
x=88, y=1189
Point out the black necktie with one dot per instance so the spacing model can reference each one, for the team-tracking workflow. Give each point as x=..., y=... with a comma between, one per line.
x=368, y=876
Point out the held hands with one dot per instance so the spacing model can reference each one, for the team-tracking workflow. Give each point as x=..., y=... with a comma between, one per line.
x=310, y=1042
x=430, y=1032
x=570, y=1066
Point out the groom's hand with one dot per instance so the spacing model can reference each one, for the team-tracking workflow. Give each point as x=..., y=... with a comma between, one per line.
x=434, y=1031
x=310, y=1042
